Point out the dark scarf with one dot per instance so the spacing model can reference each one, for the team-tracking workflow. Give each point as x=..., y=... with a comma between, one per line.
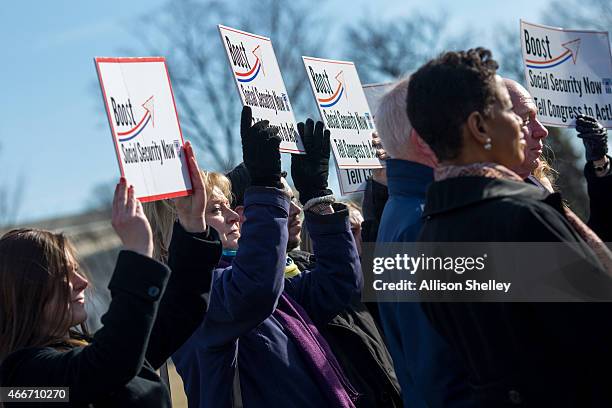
x=494, y=170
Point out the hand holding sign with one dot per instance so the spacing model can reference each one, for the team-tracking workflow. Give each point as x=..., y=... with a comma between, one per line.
x=594, y=137
x=260, y=152
x=568, y=73
x=130, y=222
x=379, y=175
x=144, y=125
x=191, y=209
x=310, y=171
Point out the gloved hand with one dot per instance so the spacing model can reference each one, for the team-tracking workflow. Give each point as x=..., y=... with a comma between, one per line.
x=593, y=135
x=260, y=152
x=309, y=171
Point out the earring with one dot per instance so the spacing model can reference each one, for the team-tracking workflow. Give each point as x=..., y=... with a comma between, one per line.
x=488, y=145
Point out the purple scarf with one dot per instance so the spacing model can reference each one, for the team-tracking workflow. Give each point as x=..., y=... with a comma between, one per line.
x=316, y=352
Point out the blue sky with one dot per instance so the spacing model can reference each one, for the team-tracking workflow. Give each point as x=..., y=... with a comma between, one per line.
x=53, y=129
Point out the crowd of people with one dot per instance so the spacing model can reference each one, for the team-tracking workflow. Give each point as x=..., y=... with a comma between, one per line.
x=254, y=289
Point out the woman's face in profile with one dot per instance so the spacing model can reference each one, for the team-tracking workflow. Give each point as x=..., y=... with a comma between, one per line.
x=75, y=304
x=225, y=221
x=506, y=130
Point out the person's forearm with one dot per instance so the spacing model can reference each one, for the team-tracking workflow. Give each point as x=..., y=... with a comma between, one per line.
x=246, y=294
x=192, y=258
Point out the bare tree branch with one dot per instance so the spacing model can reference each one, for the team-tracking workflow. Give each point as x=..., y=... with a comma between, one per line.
x=185, y=31
x=581, y=14
x=387, y=50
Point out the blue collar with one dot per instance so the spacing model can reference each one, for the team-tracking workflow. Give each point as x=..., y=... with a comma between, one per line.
x=408, y=177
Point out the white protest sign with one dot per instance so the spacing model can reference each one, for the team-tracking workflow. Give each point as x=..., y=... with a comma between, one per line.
x=354, y=180
x=374, y=93
x=344, y=110
x=260, y=84
x=144, y=125
x=568, y=72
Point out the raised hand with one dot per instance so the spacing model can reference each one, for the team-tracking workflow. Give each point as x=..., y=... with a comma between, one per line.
x=310, y=171
x=260, y=153
x=130, y=222
x=190, y=209
x=594, y=136
x=379, y=175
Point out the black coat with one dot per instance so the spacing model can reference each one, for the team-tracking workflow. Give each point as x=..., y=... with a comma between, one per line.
x=372, y=206
x=151, y=314
x=374, y=199
x=528, y=354
x=357, y=344
x=600, y=200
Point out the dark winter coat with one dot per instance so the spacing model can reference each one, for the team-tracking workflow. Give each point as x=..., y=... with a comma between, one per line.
x=240, y=331
x=152, y=312
x=600, y=202
x=360, y=349
x=528, y=354
x=429, y=373
x=374, y=199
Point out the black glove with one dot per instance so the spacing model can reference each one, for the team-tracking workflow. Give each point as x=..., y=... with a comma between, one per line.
x=260, y=152
x=593, y=135
x=309, y=171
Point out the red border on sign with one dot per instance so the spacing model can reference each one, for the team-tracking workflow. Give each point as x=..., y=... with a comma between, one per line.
x=361, y=166
x=167, y=195
x=244, y=33
x=328, y=61
x=122, y=60
x=287, y=150
x=562, y=29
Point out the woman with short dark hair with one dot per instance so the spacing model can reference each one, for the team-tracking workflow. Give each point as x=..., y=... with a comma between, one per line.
x=514, y=353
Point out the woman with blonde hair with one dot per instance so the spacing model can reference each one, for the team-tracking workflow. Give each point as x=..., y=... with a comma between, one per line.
x=217, y=214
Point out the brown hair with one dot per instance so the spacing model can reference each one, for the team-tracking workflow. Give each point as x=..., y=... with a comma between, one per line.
x=35, y=268
x=162, y=214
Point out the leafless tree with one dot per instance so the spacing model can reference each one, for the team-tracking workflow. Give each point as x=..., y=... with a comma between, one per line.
x=581, y=14
x=185, y=31
x=386, y=50
x=101, y=196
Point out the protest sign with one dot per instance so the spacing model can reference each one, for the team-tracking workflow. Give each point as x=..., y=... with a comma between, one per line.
x=260, y=84
x=344, y=110
x=568, y=72
x=144, y=125
x=353, y=181
x=374, y=93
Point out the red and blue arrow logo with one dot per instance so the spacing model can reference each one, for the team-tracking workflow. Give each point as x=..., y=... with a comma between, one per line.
x=335, y=98
x=571, y=51
x=147, y=117
x=252, y=74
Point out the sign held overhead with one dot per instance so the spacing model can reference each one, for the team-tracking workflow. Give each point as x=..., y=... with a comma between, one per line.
x=260, y=84
x=345, y=112
x=144, y=125
x=568, y=73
